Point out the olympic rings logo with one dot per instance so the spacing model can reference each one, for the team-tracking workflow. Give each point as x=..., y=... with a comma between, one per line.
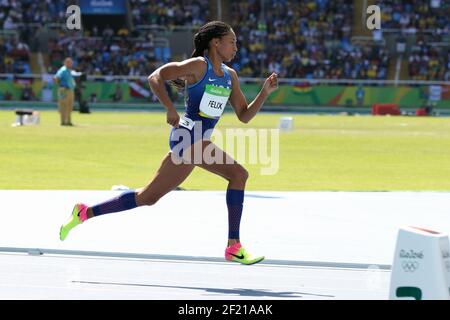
x=410, y=266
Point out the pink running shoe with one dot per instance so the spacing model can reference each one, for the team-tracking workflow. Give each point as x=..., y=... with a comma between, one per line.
x=237, y=253
x=78, y=216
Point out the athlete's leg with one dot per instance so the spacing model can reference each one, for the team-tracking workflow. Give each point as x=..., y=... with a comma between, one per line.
x=225, y=167
x=168, y=177
x=237, y=176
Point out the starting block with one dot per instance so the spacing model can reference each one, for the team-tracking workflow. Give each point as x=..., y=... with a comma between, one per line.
x=421, y=268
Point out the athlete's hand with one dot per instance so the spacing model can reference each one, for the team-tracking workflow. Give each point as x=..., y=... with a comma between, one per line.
x=271, y=84
x=173, y=118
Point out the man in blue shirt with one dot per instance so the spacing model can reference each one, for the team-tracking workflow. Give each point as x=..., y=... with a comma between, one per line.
x=64, y=79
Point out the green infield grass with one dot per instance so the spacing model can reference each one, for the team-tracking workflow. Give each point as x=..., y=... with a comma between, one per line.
x=322, y=153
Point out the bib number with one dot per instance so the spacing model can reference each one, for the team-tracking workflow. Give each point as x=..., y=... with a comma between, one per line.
x=186, y=122
x=214, y=100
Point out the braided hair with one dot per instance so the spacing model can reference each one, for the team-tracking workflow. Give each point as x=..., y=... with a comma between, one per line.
x=209, y=31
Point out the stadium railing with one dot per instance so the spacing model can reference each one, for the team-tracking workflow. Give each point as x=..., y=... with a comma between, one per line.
x=11, y=76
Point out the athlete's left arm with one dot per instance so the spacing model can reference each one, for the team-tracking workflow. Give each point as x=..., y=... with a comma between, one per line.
x=245, y=112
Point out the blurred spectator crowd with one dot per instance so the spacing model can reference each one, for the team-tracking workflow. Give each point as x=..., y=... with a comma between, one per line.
x=106, y=55
x=125, y=52
x=308, y=39
x=429, y=21
x=296, y=39
x=170, y=13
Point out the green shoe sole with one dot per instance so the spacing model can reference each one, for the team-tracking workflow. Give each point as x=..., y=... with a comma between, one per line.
x=74, y=220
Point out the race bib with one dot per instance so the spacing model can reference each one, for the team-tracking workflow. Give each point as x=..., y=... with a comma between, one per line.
x=186, y=122
x=214, y=100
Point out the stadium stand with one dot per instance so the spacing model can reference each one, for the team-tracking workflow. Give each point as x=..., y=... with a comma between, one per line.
x=297, y=40
x=312, y=39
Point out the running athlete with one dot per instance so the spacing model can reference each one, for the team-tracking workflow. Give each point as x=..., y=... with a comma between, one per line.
x=209, y=85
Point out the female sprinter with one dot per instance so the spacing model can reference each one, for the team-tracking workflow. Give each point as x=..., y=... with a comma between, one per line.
x=209, y=84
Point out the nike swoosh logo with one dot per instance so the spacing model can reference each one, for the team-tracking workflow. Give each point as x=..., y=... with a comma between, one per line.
x=239, y=257
x=212, y=79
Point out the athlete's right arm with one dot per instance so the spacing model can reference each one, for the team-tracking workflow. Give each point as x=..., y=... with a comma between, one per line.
x=171, y=71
